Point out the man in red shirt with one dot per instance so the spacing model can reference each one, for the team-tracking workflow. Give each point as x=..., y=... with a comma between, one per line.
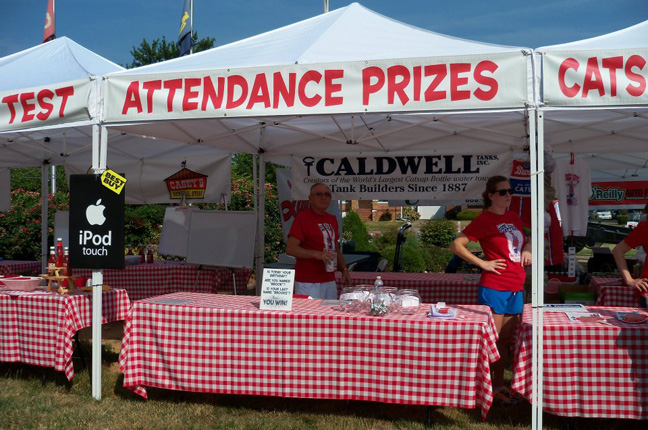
x=314, y=242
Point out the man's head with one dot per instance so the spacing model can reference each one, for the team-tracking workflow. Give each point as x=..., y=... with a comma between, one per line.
x=320, y=197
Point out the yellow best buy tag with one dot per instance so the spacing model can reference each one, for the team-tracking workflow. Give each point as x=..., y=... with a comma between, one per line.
x=113, y=181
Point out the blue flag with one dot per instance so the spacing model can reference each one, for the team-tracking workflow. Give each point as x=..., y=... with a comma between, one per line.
x=184, y=37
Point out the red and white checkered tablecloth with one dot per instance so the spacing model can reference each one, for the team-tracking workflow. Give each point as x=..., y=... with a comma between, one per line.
x=163, y=277
x=591, y=370
x=41, y=325
x=611, y=291
x=225, y=344
x=16, y=267
x=455, y=288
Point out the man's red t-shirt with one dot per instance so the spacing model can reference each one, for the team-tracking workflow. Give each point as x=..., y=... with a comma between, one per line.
x=639, y=237
x=317, y=232
x=501, y=237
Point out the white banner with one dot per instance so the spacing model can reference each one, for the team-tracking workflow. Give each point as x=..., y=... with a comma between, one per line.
x=612, y=77
x=41, y=106
x=399, y=176
x=164, y=180
x=290, y=208
x=412, y=84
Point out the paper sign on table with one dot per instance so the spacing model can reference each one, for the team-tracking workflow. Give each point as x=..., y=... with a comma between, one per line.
x=277, y=289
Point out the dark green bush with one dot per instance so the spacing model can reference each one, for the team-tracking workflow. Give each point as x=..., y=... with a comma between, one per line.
x=413, y=261
x=622, y=219
x=410, y=214
x=438, y=232
x=468, y=215
x=143, y=225
x=436, y=258
x=359, y=234
x=385, y=216
x=20, y=227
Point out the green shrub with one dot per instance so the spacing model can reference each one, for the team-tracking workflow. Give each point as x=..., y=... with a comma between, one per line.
x=20, y=227
x=468, y=215
x=385, y=216
x=410, y=214
x=143, y=225
x=413, y=261
x=622, y=219
x=359, y=234
x=436, y=258
x=438, y=232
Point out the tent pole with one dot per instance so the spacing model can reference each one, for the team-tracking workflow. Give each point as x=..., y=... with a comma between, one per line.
x=44, y=216
x=536, y=139
x=260, y=240
x=99, y=142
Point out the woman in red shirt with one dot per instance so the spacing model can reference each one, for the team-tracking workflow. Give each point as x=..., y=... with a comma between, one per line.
x=506, y=250
x=637, y=237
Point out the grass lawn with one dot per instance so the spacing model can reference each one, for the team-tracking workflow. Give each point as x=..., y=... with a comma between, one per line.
x=27, y=404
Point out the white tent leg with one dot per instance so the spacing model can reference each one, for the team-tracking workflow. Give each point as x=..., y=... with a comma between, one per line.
x=260, y=216
x=99, y=152
x=44, y=217
x=537, y=272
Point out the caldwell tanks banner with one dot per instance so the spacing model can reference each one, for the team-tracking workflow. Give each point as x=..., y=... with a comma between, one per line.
x=620, y=194
x=419, y=84
x=602, y=77
x=370, y=176
x=41, y=106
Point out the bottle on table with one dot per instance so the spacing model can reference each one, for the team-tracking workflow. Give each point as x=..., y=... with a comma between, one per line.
x=378, y=283
x=51, y=262
x=149, y=255
x=142, y=255
x=59, y=252
x=66, y=259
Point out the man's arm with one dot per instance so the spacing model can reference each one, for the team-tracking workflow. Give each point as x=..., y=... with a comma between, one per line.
x=294, y=248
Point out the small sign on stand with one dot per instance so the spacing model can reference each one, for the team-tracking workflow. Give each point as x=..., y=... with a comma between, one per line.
x=277, y=289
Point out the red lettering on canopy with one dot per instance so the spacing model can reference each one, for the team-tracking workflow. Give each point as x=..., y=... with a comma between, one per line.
x=151, y=87
x=417, y=74
x=439, y=71
x=567, y=64
x=331, y=88
x=639, y=62
x=308, y=77
x=613, y=64
x=9, y=101
x=132, y=99
x=283, y=92
x=396, y=86
x=480, y=93
x=210, y=94
x=456, y=69
x=593, y=79
x=259, y=92
x=190, y=93
x=47, y=107
x=368, y=88
x=64, y=93
x=233, y=82
x=27, y=107
x=172, y=85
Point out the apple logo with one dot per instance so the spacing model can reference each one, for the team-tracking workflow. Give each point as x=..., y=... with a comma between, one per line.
x=94, y=213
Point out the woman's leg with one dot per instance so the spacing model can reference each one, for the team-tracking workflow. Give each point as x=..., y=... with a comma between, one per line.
x=505, y=325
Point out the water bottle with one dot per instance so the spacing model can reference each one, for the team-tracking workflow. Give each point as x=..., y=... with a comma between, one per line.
x=378, y=283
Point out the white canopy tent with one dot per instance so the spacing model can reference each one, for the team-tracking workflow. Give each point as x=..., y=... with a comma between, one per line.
x=347, y=82
x=49, y=108
x=593, y=102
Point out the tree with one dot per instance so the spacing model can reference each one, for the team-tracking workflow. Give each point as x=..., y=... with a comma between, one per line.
x=160, y=50
x=242, y=167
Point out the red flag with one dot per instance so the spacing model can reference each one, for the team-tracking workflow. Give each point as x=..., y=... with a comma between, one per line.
x=49, y=31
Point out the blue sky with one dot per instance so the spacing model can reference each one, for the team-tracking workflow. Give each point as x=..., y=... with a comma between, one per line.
x=112, y=27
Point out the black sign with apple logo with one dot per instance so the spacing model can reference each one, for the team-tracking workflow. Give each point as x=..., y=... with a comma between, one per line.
x=96, y=224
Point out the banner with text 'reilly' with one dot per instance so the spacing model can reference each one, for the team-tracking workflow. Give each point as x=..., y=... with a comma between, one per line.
x=96, y=224
x=384, y=176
